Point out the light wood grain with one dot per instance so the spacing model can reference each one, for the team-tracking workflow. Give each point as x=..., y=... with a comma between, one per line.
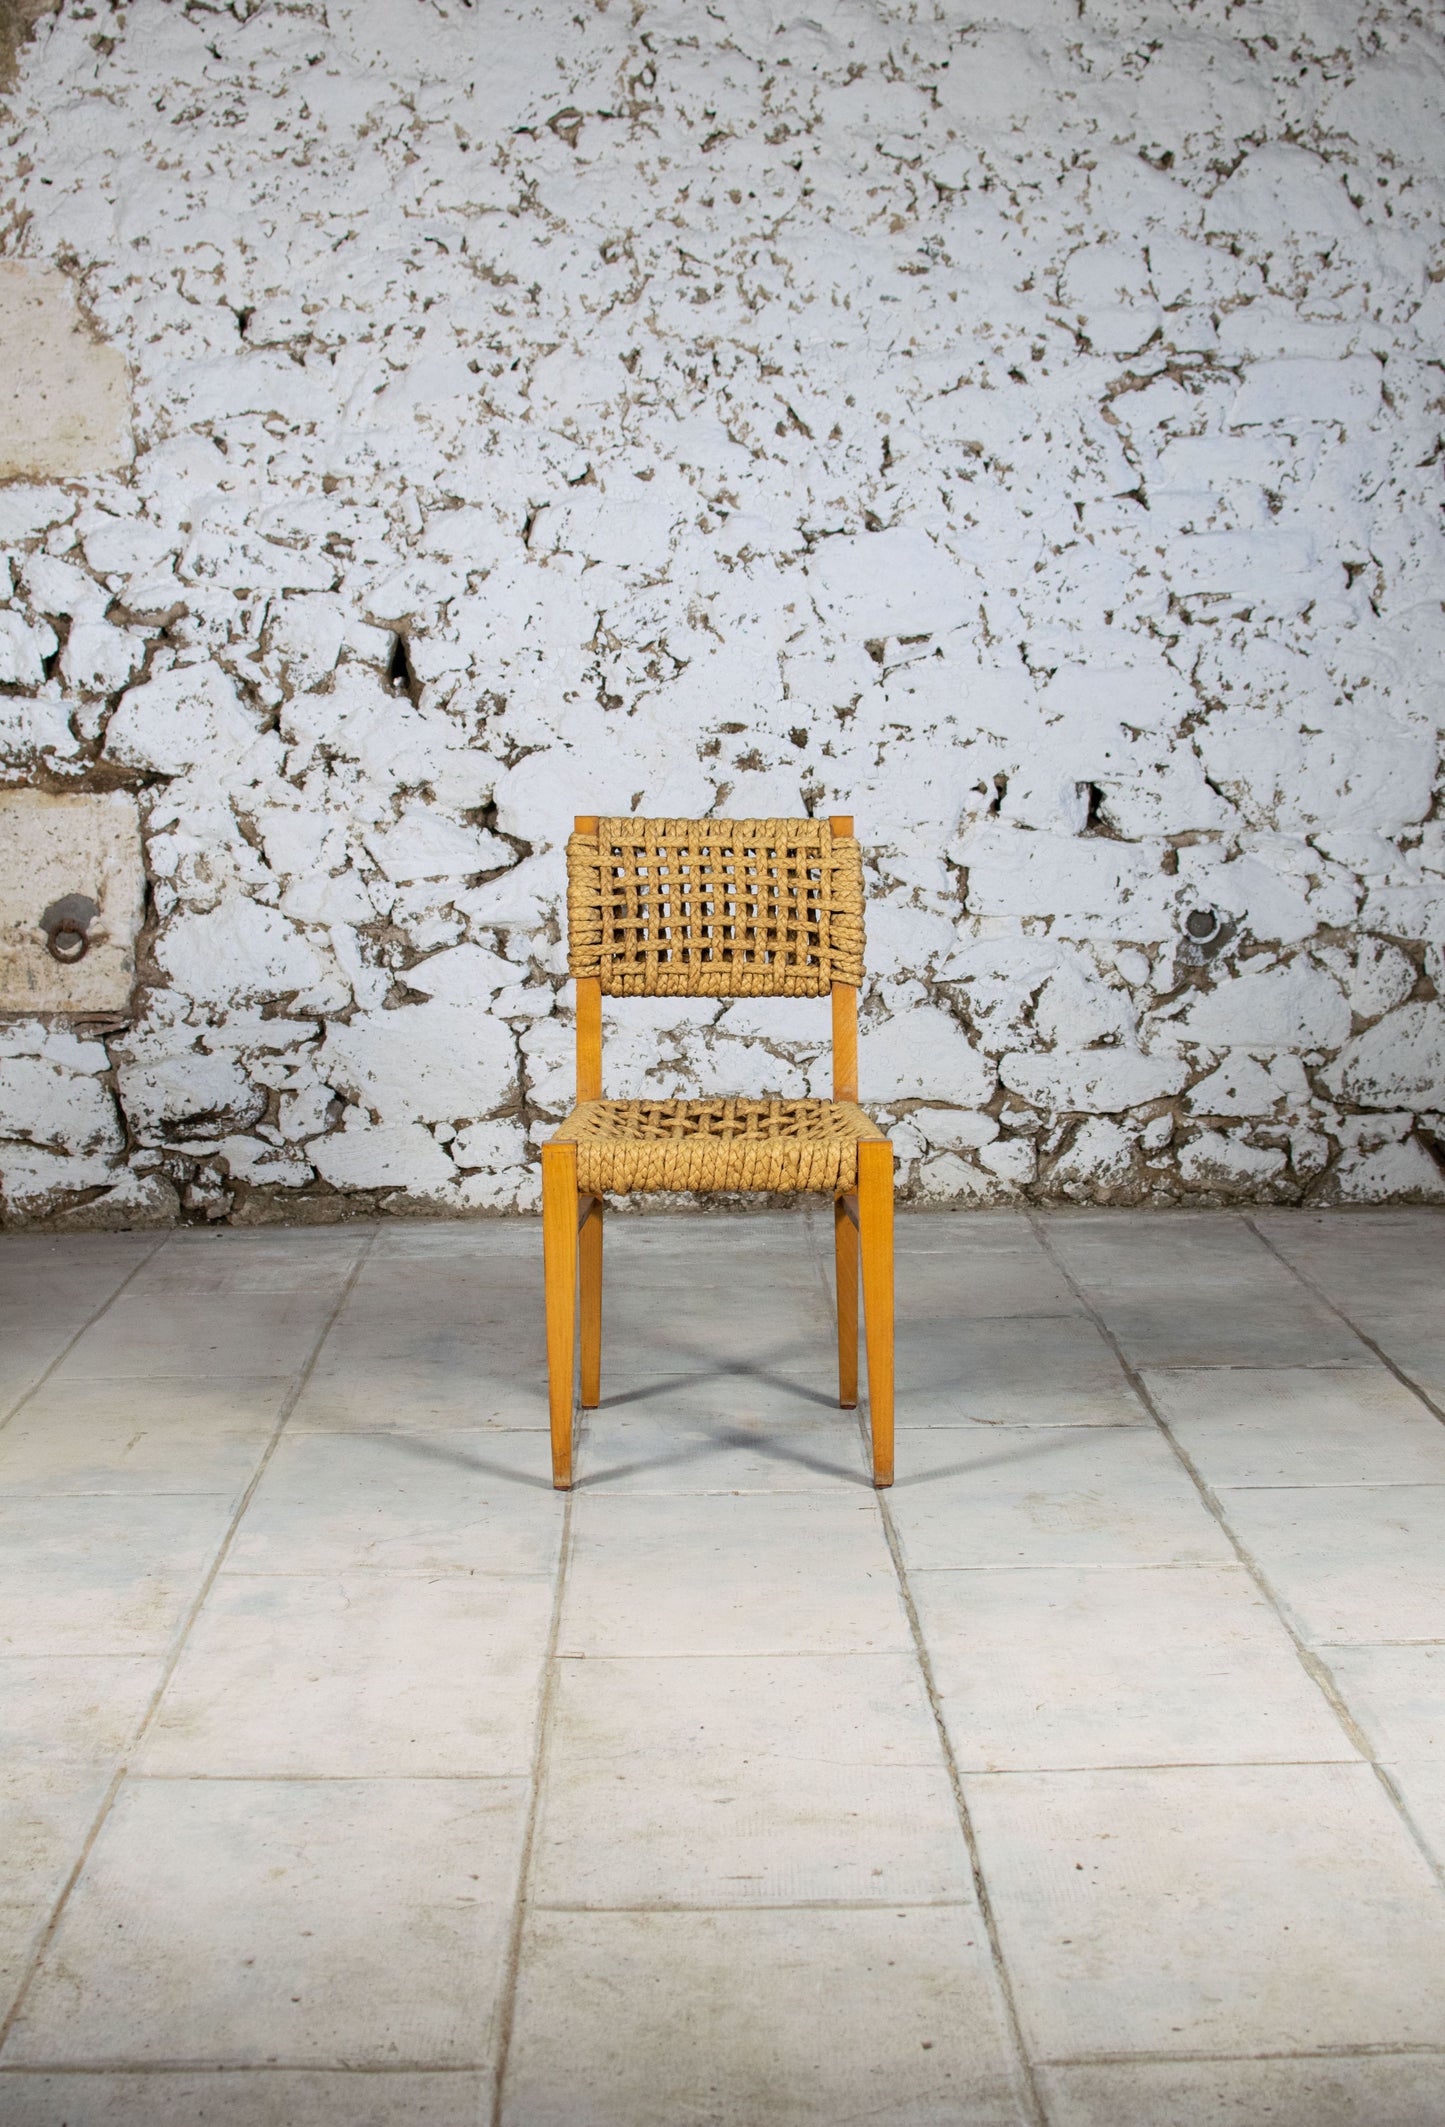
x=875, y=1233
x=589, y=1252
x=845, y=1260
x=559, y=1256
x=589, y=1038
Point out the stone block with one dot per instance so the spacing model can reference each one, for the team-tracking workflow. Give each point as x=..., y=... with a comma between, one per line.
x=72, y=894
x=64, y=395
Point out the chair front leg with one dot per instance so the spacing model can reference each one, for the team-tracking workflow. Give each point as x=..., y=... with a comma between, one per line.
x=845, y=1260
x=875, y=1234
x=589, y=1249
x=559, y=1256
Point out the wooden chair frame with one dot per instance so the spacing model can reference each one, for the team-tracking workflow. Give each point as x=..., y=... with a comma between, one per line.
x=572, y=1243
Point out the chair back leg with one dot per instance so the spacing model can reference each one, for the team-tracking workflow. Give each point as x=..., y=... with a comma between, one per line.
x=589, y=1252
x=875, y=1235
x=845, y=1260
x=559, y=1255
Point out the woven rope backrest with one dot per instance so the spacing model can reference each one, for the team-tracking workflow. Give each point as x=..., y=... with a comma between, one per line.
x=715, y=908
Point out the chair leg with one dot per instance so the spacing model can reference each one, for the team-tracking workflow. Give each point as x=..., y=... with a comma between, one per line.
x=875, y=1233
x=845, y=1259
x=559, y=1255
x=589, y=1249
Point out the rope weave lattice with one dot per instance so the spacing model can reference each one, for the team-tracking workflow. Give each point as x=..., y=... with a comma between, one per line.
x=716, y=1144
x=715, y=908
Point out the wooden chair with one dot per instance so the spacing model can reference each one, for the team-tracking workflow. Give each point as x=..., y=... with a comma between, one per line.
x=716, y=908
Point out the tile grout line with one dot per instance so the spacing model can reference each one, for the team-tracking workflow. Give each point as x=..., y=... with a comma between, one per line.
x=14, y=2072
x=1364, y=2050
x=1032, y=2097
x=1335, y=1309
x=507, y=2000
x=1382, y=1772
x=178, y=1642
x=89, y=1323
x=1387, y=2049
x=1315, y=1669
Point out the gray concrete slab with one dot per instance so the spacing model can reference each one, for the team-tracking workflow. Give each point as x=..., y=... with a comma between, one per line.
x=1093, y=1777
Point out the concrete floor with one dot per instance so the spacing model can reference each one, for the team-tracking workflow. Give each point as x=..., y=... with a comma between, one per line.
x=1096, y=1775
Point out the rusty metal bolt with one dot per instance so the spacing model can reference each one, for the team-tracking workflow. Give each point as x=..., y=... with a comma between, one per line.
x=68, y=942
x=66, y=924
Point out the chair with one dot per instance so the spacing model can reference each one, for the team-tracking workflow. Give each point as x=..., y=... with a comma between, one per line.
x=716, y=908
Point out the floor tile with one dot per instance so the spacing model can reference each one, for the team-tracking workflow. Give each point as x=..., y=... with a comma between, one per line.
x=1350, y=1562
x=1199, y=1910
x=1081, y=1667
x=22, y=1366
x=1415, y=1342
x=478, y=1383
x=1011, y=1370
x=233, y=1264
x=1301, y=1426
x=198, y=1334
x=361, y=1676
x=1053, y=1496
x=791, y=1349
x=717, y=1307
x=46, y=1811
x=799, y=2019
x=1191, y=1289
x=50, y=1287
x=718, y=1574
x=497, y=1240
x=259, y=2097
x=1421, y=1785
x=413, y=1295
x=1239, y=1330
x=746, y=1781
x=1365, y=1261
x=1378, y=2090
x=1397, y=1694
x=73, y=1709
x=168, y=1435
x=413, y=1502
x=100, y=1259
x=711, y=1436
x=422, y=1344
x=287, y=1924
x=1385, y=1271
x=102, y=1574
x=976, y=1264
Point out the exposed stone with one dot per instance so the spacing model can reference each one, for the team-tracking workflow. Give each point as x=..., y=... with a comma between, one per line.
x=64, y=395
x=1403, y=1173
x=1398, y=1062
x=976, y=428
x=1102, y=1081
x=1216, y=1161
x=1266, y=1006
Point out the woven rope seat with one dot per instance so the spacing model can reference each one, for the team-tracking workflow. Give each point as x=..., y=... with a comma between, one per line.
x=716, y=1144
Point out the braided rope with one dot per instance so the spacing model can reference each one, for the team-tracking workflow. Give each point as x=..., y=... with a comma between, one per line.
x=715, y=908
x=716, y=1144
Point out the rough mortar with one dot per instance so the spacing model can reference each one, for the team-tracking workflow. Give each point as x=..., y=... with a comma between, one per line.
x=1021, y=432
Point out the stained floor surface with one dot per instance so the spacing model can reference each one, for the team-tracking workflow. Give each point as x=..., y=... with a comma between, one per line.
x=1093, y=1777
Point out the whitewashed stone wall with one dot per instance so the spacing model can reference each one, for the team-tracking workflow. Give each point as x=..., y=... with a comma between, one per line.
x=1021, y=430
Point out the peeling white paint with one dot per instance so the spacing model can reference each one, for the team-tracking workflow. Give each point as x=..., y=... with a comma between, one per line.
x=1020, y=434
